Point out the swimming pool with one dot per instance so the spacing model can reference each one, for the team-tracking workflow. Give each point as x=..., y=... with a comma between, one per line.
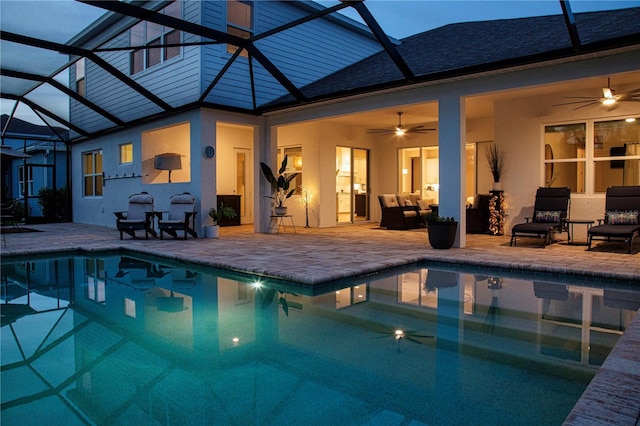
x=118, y=338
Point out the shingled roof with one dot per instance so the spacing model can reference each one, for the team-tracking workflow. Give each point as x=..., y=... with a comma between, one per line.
x=471, y=47
x=20, y=129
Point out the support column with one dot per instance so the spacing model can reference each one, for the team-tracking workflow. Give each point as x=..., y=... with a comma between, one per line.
x=451, y=141
x=265, y=149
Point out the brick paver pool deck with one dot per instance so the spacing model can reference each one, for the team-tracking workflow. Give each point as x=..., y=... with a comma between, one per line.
x=313, y=256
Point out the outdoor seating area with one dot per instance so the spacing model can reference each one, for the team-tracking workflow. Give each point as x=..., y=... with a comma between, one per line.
x=141, y=215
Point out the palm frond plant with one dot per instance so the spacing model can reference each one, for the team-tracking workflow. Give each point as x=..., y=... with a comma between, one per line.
x=279, y=185
x=496, y=161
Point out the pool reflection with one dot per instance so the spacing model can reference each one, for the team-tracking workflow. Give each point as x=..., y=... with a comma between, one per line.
x=110, y=338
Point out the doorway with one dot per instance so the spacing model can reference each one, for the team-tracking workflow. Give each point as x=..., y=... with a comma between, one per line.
x=234, y=169
x=244, y=175
x=352, y=185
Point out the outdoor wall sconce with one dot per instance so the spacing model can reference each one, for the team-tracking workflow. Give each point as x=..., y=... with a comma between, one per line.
x=168, y=161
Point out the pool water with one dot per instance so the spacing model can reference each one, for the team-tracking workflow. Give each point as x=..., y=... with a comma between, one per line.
x=122, y=339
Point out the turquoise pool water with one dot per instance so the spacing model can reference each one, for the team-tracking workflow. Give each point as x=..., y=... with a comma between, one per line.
x=123, y=339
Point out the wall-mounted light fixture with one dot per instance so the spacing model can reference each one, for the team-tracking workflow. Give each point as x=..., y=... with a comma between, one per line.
x=168, y=161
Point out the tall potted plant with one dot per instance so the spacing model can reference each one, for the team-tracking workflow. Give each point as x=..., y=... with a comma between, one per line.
x=441, y=230
x=496, y=163
x=279, y=185
x=213, y=230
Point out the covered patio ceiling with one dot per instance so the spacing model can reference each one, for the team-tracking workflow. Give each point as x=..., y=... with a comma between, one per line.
x=37, y=54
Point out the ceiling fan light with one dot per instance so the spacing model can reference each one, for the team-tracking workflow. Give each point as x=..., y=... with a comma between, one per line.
x=607, y=93
x=400, y=131
x=608, y=101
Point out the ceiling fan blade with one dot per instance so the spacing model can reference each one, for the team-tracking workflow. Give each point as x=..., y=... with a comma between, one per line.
x=579, y=97
x=584, y=106
x=419, y=129
x=381, y=131
x=590, y=101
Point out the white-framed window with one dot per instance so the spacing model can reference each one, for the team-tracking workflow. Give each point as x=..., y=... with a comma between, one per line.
x=92, y=173
x=239, y=22
x=126, y=153
x=81, y=82
x=25, y=180
x=144, y=35
x=591, y=155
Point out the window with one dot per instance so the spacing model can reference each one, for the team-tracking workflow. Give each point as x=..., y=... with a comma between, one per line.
x=156, y=43
x=565, y=153
x=239, y=22
x=92, y=173
x=26, y=184
x=294, y=165
x=616, y=151
x=590, y=156
x=94, y=271
x=126, y=153
x=81, y=88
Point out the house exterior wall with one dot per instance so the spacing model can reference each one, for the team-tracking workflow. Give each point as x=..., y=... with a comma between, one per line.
x=323, y=46
x=303, y=53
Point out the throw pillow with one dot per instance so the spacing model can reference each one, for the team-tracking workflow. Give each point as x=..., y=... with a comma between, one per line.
x=544, y=216
x=622, y=217
x=408, y=203
x=423, y=204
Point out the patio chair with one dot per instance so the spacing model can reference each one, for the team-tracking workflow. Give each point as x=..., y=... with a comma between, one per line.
x=11, y=214
x=181, y=217
x=550, y=212
x=139, y=216
x=621, y=221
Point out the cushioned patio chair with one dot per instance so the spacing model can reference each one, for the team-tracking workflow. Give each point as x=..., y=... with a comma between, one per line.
x=138, y=217
x=396, y=216
x=181, y=217
x=550, y=212
x=621, y=221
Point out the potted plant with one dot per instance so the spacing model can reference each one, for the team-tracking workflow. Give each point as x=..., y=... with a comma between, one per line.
x=441, y=230
x=279, y=185
x=213, y=230
x=495, y=160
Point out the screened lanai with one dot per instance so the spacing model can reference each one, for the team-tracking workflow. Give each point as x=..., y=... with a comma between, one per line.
x=41, y=41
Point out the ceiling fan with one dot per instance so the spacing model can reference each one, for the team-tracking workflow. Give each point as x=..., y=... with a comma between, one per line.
x=400, y=130
x=609, y=97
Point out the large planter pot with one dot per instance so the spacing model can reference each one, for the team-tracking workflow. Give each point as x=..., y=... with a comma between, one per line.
x=212, y=231
x=280, y=211
x=442, y=235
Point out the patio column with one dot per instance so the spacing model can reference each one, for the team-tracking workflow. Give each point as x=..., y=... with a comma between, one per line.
x=451, y=142
x=266, y=150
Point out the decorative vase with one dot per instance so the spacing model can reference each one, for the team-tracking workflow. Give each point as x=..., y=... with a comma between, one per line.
x=497, y=186
x=212, y=231
x=280, y=210
x=442, y=235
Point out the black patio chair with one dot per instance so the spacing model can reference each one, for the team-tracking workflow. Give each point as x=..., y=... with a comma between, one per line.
x=621, y=221
x=550, y=212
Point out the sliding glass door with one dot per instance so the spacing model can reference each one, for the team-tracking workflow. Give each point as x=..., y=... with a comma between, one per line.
x=352, y=185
